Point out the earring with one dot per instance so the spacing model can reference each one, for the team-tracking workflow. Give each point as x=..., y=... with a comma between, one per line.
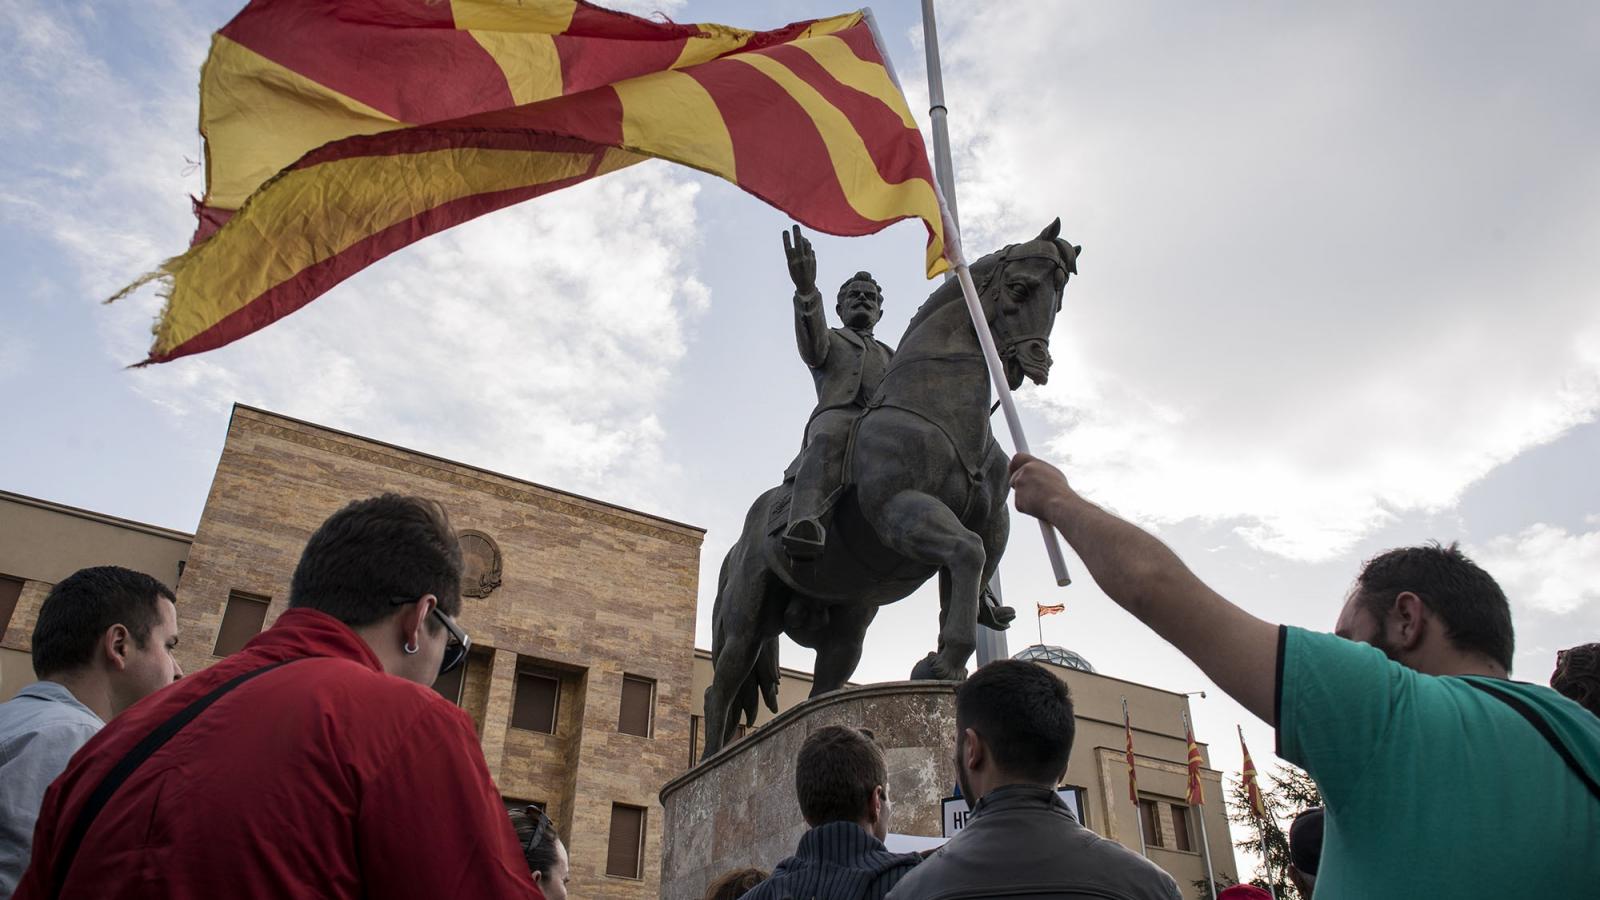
x=410, y=649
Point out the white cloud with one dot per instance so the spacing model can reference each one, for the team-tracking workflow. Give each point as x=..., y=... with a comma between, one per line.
x=1336, y=261
x=538, y=340
x=1545, y=568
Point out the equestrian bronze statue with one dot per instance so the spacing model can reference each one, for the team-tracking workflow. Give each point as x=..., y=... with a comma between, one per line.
x=920, y=487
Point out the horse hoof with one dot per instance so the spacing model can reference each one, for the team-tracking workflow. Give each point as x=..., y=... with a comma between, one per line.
x=932, y=668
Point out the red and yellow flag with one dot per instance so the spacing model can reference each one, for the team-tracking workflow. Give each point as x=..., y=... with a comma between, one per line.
x=1051, y=609
x=337, y=133
x=1196, y=792
x=1251, y=787
x=1133, y=780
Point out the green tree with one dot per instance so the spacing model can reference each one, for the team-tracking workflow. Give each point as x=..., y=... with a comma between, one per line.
x=1285, y=795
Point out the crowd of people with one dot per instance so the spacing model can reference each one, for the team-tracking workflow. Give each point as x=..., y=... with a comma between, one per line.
x=317, y=761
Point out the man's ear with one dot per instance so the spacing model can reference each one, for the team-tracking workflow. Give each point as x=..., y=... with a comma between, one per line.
x=1408, y=617
x=875, y=803
x=115, y=644
x=973, y=752
x=415, y=618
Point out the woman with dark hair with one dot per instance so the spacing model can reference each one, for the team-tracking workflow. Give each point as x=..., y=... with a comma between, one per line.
x=1577, y=675
x=546, y=855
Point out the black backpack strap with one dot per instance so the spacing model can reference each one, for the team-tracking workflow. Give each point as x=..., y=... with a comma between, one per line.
x=1543, y=727
x=136, y=757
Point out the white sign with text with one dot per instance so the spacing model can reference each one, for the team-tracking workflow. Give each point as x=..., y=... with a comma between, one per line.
x=956, y=810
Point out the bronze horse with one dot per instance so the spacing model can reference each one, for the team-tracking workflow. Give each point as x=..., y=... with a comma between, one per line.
x=926, y=494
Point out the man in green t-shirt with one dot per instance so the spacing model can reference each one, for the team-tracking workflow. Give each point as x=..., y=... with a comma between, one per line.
x=1441, y=778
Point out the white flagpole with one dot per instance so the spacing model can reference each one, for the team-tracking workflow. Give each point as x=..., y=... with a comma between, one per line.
x=969, y=292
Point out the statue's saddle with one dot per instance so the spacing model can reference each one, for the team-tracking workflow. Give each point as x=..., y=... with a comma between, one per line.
x=854, y=567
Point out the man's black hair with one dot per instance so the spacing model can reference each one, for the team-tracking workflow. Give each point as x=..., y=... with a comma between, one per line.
x=79, y=609
x=1476, y=616
x=374, y=552
x=1024, y=715
x=836, y=773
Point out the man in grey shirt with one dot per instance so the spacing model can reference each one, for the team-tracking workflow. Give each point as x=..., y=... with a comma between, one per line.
x=104, y=640
x=1014, y=730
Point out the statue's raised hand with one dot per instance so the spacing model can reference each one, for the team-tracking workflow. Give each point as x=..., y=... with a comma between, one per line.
x=802, y=262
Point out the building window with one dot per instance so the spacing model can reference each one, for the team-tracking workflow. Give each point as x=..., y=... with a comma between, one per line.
x=638, y=705
x=625, y=852
x=10, y=590
x=534, y=707
x=1180, y=828
x=1150, y=822
x=241, y=621
x=450, y=683
x=694, y=740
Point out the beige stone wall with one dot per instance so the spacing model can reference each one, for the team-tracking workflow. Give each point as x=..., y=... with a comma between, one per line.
x=593, y=589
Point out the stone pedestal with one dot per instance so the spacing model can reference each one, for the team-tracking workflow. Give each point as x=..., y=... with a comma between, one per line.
x=739, y=808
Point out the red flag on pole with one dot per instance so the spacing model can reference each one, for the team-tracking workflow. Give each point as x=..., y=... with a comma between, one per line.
x=1252, y=789
x=1050, y=609
x=337, y=133
x=1133, y=780
x=1196, y=793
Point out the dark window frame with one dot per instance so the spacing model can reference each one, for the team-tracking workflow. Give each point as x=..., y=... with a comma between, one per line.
x=243, y=597
x=1182, y=828
x=638, y=853
x=650, y=707
x=555, y=704
x=1150, y=825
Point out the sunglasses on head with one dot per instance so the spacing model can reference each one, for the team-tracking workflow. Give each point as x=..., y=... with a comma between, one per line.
x=455, y=651
x=541, y=827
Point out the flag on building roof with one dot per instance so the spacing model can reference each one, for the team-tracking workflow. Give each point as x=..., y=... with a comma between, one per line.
x=1050, y=609
x=1133, y=779
x=1196, y=792
x=337, y=133
x=1251, y=788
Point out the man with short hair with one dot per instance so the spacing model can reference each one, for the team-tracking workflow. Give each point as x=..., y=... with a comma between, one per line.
x=1014, y=730
x=843, y=786
x=317, y=761
x=1441, y=777
x=104, y=640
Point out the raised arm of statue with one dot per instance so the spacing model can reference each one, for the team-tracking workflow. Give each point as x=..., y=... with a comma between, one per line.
x=810, y=322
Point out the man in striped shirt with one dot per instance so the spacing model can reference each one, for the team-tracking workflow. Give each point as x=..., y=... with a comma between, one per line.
x=843, y=788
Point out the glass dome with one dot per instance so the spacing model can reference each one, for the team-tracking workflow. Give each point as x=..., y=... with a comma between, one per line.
x=1059, y=656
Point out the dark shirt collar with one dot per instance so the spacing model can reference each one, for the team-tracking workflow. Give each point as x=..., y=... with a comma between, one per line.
x=837, y=842
x=1015, y=796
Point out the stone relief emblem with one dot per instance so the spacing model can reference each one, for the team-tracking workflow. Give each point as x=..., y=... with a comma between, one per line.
x=480, y=564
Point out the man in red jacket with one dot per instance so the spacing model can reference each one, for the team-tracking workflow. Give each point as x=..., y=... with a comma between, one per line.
x=315, y=762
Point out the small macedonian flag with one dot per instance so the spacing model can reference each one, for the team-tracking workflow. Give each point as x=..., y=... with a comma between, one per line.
x=1050, y=609
x=1133, y=779
x=1251, y=787
x=1196, y=792
x=337, y=133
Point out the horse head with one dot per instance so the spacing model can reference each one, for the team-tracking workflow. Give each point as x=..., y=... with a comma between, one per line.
x=1020, y=288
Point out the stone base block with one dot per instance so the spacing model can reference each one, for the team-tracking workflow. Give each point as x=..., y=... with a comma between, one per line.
x=739, y=809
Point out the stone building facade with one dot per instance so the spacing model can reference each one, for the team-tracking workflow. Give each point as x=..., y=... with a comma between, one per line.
x=582, y=627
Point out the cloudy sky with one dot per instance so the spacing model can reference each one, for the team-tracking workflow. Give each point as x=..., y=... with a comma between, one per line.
x=1338, y=293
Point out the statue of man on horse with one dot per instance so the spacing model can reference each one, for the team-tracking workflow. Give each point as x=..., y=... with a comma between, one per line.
x=902, y=480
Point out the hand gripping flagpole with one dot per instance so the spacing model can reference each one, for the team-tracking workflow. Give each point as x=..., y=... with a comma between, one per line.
x=969, y=292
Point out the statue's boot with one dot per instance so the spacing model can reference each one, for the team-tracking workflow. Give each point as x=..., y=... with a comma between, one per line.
x=804, y=539
x=814, y=483
x=991, y=614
